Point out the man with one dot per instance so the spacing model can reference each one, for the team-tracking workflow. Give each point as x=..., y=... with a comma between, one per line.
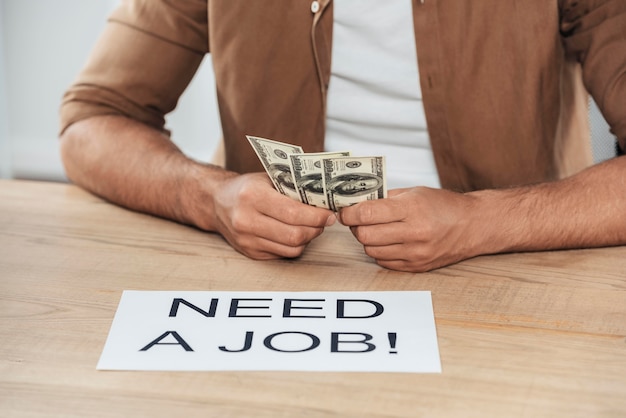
x=500, y=89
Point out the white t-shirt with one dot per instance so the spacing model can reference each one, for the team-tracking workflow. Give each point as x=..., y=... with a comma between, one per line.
x=374, y=98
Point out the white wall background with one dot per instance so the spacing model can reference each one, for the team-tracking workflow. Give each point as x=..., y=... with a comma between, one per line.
x=43, y=45
x=5, y=150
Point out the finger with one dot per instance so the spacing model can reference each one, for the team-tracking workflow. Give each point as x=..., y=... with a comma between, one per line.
x=396, y=192
x=390, y=256
x=381, y=234
x=291, y=212
x=273, y=230
x=403, y=265
x=394, y=252
x=372, y=212
x=255, y=192
x=262, y=249
x=408, y=258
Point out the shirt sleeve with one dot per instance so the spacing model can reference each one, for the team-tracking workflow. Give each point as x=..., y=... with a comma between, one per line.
x=595, y=32
x=142, y=62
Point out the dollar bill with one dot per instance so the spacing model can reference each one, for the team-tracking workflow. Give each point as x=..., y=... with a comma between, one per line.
x=330, y=180
x=274, y=156
x=308, y=175
x=350, y=180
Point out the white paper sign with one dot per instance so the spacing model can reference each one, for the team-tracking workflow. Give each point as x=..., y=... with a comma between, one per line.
x=306, y=331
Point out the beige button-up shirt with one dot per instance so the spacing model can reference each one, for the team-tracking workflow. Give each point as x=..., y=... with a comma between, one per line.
x=504, y=82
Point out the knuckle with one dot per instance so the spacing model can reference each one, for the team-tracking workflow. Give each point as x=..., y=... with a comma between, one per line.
x=293, y=252
x=363, y=235
x=370, y=251
x=296, y=237
x=290, y=213
x=422, y=261
x=421, y=252
x=240, y=223
x=417, y=267
x=246, y=192
x=365, y=212
x=261, y=256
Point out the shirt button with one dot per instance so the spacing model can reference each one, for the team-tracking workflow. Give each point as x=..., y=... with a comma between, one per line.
x=315, y=6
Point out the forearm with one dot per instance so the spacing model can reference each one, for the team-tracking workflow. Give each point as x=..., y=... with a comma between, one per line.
x=137, y=167
x=585, y=210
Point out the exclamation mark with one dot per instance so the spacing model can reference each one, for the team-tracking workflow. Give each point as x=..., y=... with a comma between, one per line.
x=392, y=342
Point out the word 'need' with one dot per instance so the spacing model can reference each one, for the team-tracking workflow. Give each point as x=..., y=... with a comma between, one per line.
x=289, y=308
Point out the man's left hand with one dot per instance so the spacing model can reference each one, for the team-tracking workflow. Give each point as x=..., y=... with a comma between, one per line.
x=416, y=229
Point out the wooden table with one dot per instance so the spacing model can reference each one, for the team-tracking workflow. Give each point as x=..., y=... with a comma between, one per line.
x=520, y=335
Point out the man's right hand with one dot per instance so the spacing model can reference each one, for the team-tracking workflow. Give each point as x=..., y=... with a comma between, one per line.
x=260, y=222
x=138, y=167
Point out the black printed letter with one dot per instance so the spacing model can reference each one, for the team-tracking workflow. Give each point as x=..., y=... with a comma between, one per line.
x=334, y=342
x=234, y=307
x=315, y=342
x=174, y=334
x=246, y=345
x=209, y=314
x=341, y=305
x=288, y=307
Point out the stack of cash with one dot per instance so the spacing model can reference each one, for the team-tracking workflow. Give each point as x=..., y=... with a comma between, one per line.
x=331, y=180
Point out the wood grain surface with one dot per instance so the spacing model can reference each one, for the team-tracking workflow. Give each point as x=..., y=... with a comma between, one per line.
x=520, y=335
